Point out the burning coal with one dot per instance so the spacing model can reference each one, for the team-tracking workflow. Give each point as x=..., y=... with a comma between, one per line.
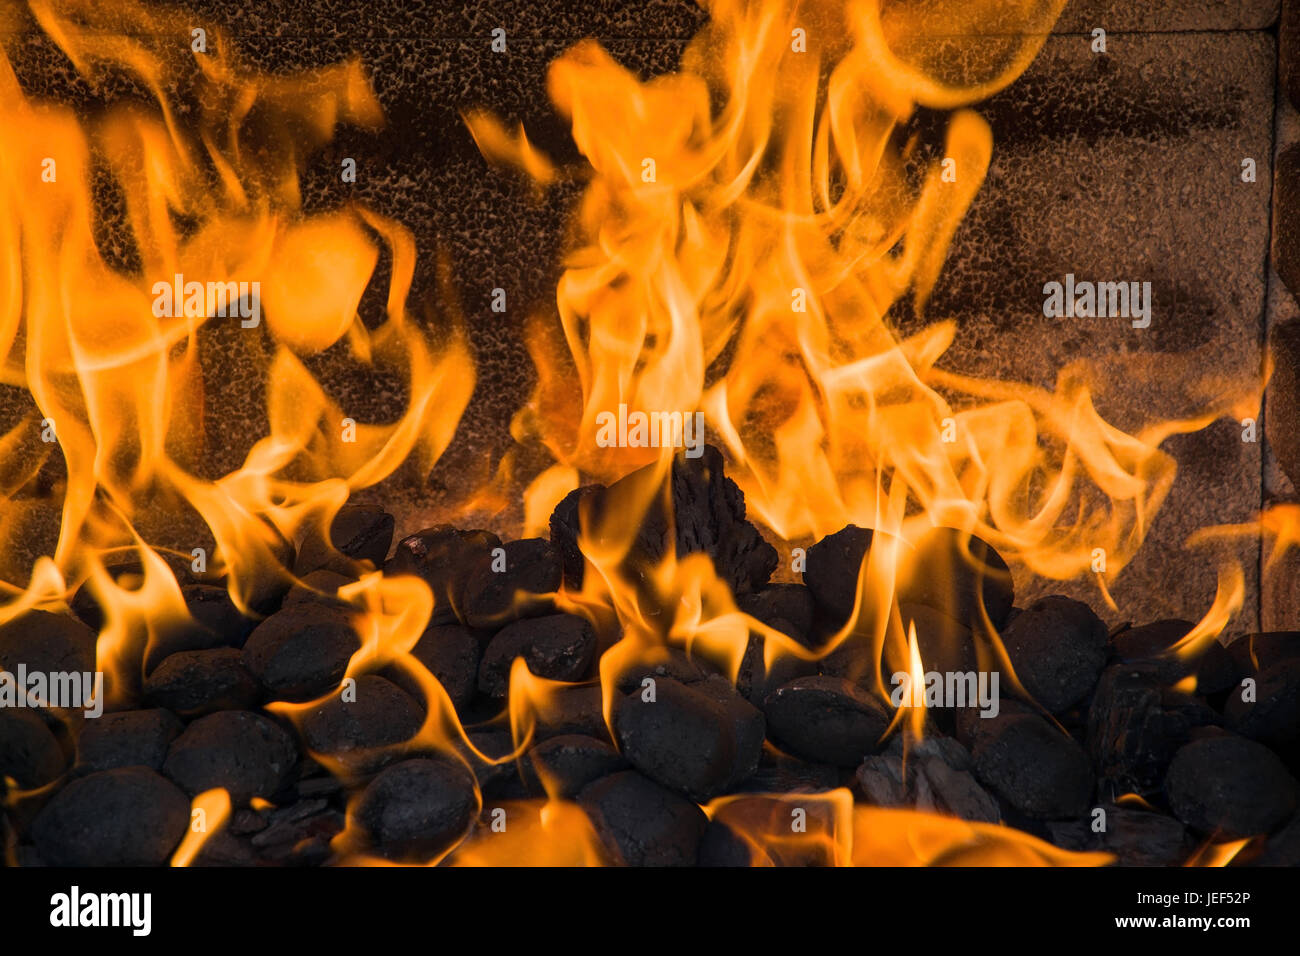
x=664, y=651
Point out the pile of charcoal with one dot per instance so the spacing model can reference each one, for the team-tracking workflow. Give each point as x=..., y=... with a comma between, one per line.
x=1109, y=746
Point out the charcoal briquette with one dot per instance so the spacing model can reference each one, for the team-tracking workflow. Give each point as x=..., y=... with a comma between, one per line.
x=566, y=527
x=573, y=709
x=1058, y=648
x=194, y=683
x=214, y=622
x=450, y=652
x=125, y=739
x=1230, y=786
x=699, y=739
x=641, y=823
x=240, y=751
x=318, y=588
x=825, y=719
x=558, y=646
x=1252, y=652
x=442, y=557
x=363, y=728
x=755, y=680
x=358, y=532
x=130, y=816
x=29, y=751
x=562, y=766
x=1273, y=716
x=1214, y=667
x=47, y=642
x=831, y=571
x=420, y=807
x=960, y=575
x=301, y=651
x=1034, y=767
x=780, y=605
x=515, y=583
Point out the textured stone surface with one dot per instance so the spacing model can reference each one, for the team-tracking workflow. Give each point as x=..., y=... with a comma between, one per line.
x=1113, y=168
x=1166, y=15
x=1279, y=598
x=1289, y=51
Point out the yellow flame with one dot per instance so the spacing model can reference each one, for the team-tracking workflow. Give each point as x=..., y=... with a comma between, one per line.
x=113, y=359
x=212, y=807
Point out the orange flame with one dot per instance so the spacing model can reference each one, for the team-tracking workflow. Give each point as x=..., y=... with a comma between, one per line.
x=744, y=262
x=112, y=355
x=209, y=812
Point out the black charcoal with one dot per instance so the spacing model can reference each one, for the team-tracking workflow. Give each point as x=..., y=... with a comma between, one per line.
x=1135, y=725
x=1230, y=786
x=960, y=575
x=48, y=643
x=699, y=739
x=826, y=720
x=1035, y=768
x=357, y=533
x=510, y=584
x=126, y=739
x=780, y=604
x=450, y=652
x=29, y=751
x=443, y=556
x=301, y=652
x=831, y=571
x=420, y=807
x=363, y=727
x=933, y=775
x=1273, y=715
x=214, y=622
x=242, y=752
x=562, y=766
x=641, y=823
x=1058, y=649
x=194, y=683
x=558, y=646
x=130, y=816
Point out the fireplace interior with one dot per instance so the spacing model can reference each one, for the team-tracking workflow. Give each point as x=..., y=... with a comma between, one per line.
x=753, y=433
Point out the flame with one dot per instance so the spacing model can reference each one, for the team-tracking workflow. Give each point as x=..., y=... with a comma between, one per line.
x=113, y=360
x=911, y=710
x=751, y=230
x=744, y=261
x=1228, y=599
x=212, y=808
x=1217, y=854
x=828, y=829
x=551, y=833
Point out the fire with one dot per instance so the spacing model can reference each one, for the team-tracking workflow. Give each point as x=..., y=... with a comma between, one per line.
x=1217, y=854
x=744, y=261
x=750, y=229
x=208, y=814
x=829, y=830
x=114, y=359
